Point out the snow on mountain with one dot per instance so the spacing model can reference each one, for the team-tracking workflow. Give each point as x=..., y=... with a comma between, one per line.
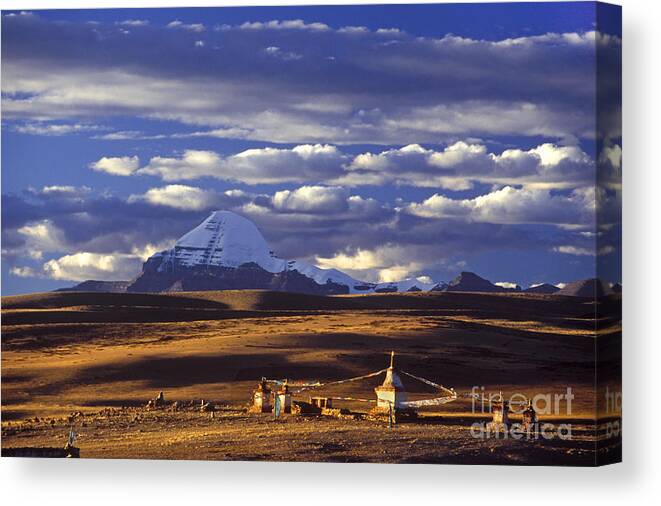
x=405, y=285
x=322, y=276
x=224, y=239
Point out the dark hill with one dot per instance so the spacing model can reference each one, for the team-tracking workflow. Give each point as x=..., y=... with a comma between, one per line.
x=471, y=282
x=589, y=288
x=543, y=288
x=92, y=285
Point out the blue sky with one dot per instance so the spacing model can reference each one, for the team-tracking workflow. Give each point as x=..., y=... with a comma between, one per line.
x=386, y=141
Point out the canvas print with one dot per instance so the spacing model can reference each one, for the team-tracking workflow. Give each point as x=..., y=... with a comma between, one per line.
x=384, y=233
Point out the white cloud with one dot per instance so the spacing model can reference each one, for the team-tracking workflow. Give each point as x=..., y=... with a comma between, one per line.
x=461, y=164
x=23, y=272
x=506, y=284
x=457, y=167
x=311, y=199
x=382, y=264
x=254, y=166
x=513, y=206
x=193, y=164
x=98, y=266
x=582, y=251
x=65, y=190
x=193, y=27
x=276, y=52
x=149, y=249
x=133, y=22
x=179, y=196
x=42, y=236
x=117, y=166
x=612, y=155
x=574, y=250
x=124, y=135
x=610, y=167
x=287, y=24
x=353, y=29
x=389, y=31
x=54, y=129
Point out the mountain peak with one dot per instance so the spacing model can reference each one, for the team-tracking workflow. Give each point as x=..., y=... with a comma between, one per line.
x=591, y=288
x=226, y=239
x=543, y=288
x=471, y=282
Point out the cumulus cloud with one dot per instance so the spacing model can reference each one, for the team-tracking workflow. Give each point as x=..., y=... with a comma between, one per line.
x=456, y=167
x=254, y=166
x=84, y=265
x=513, y=206
x=42, y=236
x=117, y=166
x=461, y=164
x=506, y=284
x=311, y=199
x=383, y=264
x=81, y=266
x=179, y=197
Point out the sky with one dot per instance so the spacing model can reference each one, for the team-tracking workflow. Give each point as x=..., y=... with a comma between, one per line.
x=386, y=141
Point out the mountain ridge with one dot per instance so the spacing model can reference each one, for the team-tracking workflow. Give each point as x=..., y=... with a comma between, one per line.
x=228, y=252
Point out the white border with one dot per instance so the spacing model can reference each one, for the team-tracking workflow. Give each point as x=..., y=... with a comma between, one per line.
x=33, y=481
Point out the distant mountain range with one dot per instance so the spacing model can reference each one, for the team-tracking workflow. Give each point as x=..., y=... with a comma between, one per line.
x=227, y=252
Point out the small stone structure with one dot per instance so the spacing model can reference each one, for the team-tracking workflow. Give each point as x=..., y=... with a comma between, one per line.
x=157, y=402
x=261, y=398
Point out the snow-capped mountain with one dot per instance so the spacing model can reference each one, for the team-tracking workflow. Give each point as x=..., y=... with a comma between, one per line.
x=406, y=285
x=224, y=239
x=227, y=251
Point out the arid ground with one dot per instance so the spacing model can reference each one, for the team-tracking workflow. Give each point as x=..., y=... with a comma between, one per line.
x=92, y=360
